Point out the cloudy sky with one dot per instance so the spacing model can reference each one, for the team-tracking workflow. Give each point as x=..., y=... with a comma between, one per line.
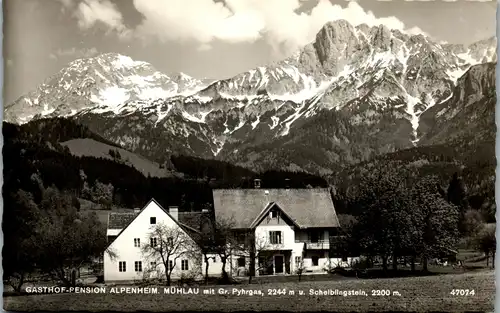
x=206, y=38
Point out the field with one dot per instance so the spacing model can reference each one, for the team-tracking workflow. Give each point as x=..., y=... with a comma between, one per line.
x=431, y=293
x=90, y=147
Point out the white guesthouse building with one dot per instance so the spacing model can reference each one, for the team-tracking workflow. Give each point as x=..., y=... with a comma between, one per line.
x=291, y=228
x=129, y=232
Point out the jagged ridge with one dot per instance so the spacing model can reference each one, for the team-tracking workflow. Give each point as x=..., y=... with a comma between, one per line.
x=376, y=79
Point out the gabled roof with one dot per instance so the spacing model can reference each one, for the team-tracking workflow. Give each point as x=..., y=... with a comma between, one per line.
x=120, y=220
x=306, y=207
x=123, y=220
x=265, y=212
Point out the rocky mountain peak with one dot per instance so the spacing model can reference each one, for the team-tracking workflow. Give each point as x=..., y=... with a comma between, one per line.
x=333, y=42
x=371, y=78
x=381, y=37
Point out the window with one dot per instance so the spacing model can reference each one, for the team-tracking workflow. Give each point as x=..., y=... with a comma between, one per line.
x=153, y=242
x=170, y=265
x=170, y=241
x=138, y=266
x=240, y=238
x=184, y=265
x=298, y=259
x=315, y=260
x=152, y=264
x=275, y=237
x=122, y=266
x=316, y=236
x=137, y=242
x=241, y=262
x=274, y=214
x=152, y=220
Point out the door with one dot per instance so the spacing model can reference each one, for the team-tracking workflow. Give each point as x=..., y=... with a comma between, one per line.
x=278, y=264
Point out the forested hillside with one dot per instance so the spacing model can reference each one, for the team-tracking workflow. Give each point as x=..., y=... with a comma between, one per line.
x=473, y=167
x=34, y=158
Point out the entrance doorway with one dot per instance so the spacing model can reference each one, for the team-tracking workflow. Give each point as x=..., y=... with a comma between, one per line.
x=278, y=264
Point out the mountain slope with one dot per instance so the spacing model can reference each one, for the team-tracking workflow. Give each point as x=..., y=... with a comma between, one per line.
x=89, y=147
x=108, y=80
x=468, y=116
x=354, y=93
x=57, y=134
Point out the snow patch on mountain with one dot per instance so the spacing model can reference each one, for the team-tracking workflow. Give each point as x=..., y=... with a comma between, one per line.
x=365, y=72
x=112, y=96
x=414, y=117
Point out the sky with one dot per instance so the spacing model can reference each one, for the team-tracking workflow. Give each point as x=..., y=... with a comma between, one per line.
x=207, y=38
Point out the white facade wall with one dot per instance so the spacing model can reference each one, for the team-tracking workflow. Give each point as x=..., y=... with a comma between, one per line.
x=214, y=266
x=263, y=240
x=123, y=247
x=298, y=251
x=322, y=260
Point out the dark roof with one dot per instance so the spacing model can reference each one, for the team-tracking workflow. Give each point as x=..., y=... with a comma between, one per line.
x=193, y=219
x=120, y=220
x=125, y=219
x=306, y=207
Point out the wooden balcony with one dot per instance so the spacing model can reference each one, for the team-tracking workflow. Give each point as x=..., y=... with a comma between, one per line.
x=321, y=244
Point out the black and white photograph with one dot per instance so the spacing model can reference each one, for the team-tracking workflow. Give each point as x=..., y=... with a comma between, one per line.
x=249, y=155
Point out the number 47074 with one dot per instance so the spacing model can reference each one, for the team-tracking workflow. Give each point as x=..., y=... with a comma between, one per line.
x=463, y=292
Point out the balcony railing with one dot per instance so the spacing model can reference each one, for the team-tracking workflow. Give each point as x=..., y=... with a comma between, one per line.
x=318, y=244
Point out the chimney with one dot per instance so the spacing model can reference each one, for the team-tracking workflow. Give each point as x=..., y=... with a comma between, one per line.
x=174, y=211
x=287, y=183
x=137, y=210
x=256, y=183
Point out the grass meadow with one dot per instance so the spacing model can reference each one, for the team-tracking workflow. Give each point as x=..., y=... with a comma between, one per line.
x=429, y=293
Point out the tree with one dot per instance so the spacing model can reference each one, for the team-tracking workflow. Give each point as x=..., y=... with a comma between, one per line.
x=66, y=239
x=434, y=221
x=457, y=195
x=20, y=216
x=225, y=242
x=345, y=243
x=403, y=216
x=115, y=154
x=103, y=193
x=381, y=198
x=457, y=192
x=167, y=244
x=258, y=250
x=472, y=223
x=485, y=241
x=205, y=238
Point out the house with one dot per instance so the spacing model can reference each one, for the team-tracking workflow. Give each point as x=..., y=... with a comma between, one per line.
x=290, y=229
x=275, y=231
x=127, y=235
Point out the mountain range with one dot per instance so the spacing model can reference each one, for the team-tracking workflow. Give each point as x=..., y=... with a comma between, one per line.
x=355, y=93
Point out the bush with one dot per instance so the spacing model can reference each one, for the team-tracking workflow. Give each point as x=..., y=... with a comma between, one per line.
x=361, y=264
x=188, y=279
